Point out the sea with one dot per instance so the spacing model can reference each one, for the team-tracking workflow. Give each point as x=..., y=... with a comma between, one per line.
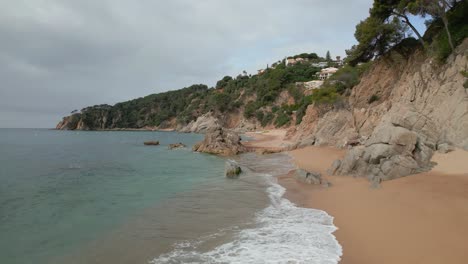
x=90, y=197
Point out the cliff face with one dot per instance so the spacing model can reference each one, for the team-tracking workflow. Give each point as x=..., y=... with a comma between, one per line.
x=420, y=93
x=400, y=112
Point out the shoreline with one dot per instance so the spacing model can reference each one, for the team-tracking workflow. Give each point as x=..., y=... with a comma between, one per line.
x=420, y=218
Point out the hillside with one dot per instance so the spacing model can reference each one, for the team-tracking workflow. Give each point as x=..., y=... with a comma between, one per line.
x=382, y=68
x=266, y=99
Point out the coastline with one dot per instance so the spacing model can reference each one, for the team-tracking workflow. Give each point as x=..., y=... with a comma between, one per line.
x=415, y=219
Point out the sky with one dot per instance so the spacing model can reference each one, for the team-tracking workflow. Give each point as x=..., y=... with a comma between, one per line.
x=60, y=55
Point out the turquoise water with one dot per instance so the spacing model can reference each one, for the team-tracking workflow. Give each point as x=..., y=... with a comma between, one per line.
x=103, y=197
x=62, y=189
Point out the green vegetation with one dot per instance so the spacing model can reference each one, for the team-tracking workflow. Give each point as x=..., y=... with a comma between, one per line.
x=328, y=56
x=310, y=56
x=282, y=119
x=465, y=74
x=373, y=98
x=442, y=45
x=389, y=22
x=258, y=96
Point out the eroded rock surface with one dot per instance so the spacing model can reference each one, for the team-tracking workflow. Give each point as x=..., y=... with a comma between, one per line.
x=422, y=105
x=220, y=141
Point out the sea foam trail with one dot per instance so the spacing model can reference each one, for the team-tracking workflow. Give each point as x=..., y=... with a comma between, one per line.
x=284, y=233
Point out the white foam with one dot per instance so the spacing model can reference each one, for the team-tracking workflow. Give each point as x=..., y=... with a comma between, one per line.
x=285, y=234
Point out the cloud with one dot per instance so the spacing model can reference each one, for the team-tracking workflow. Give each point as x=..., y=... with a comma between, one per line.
x=61, y=55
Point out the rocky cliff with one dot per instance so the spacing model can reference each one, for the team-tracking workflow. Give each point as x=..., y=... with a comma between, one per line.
x=399, y=113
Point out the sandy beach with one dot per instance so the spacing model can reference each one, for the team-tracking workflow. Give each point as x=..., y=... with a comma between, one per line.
x=421, y=218
x=272, y=140
x=416, y=219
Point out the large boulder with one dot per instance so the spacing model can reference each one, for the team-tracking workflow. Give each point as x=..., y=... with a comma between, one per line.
x=391, y=152
x=220, y=142
x=232, y=170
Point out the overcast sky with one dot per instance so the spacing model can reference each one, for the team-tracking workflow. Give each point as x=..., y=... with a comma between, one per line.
x=61, y=55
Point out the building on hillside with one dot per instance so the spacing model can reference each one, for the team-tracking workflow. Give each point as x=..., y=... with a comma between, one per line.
x=321, y=64
x=290, y=61
x=326, y=73
x=261, y=71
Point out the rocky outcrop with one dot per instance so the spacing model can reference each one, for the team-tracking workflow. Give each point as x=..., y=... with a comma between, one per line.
x=391, y=152
x=422, y=107
x=221, y=142
x=232, y=170
x=203, y=123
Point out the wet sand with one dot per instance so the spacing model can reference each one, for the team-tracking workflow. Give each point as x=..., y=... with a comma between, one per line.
x=416, y=219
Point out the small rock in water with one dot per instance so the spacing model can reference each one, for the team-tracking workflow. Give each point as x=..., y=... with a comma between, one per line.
x=232, y=169
x=151, y=143
x=177, y=145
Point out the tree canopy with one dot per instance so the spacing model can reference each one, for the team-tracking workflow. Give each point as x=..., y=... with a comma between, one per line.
x=388, y=23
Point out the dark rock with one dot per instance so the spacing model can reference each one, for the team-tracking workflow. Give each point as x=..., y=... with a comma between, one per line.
x=151, y=143
x=232, y=169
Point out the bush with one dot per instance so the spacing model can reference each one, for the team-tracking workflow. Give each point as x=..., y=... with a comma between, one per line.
x=326, y=95
x=282, y=119
x=267, y=119
x=373, y=98
x=250, y=109
x=259, y=115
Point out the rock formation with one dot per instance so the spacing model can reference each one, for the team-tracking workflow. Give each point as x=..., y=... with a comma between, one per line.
x=308, y=177
x=203, y=123
x=221, y=142
x=422, y=107
x=232, y=169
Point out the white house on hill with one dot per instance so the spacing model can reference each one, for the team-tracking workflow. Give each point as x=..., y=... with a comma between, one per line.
x=326, y=73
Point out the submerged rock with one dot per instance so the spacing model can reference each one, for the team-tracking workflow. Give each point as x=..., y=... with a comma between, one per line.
x=221, y=142
x=232, y=169
x=177, y=145
x=151, y=143
x=308, y=177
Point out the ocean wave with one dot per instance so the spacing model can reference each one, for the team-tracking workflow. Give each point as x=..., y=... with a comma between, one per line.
x=284, y=233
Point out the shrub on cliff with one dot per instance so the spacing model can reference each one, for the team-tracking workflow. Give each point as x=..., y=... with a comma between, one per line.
x=282, y=119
